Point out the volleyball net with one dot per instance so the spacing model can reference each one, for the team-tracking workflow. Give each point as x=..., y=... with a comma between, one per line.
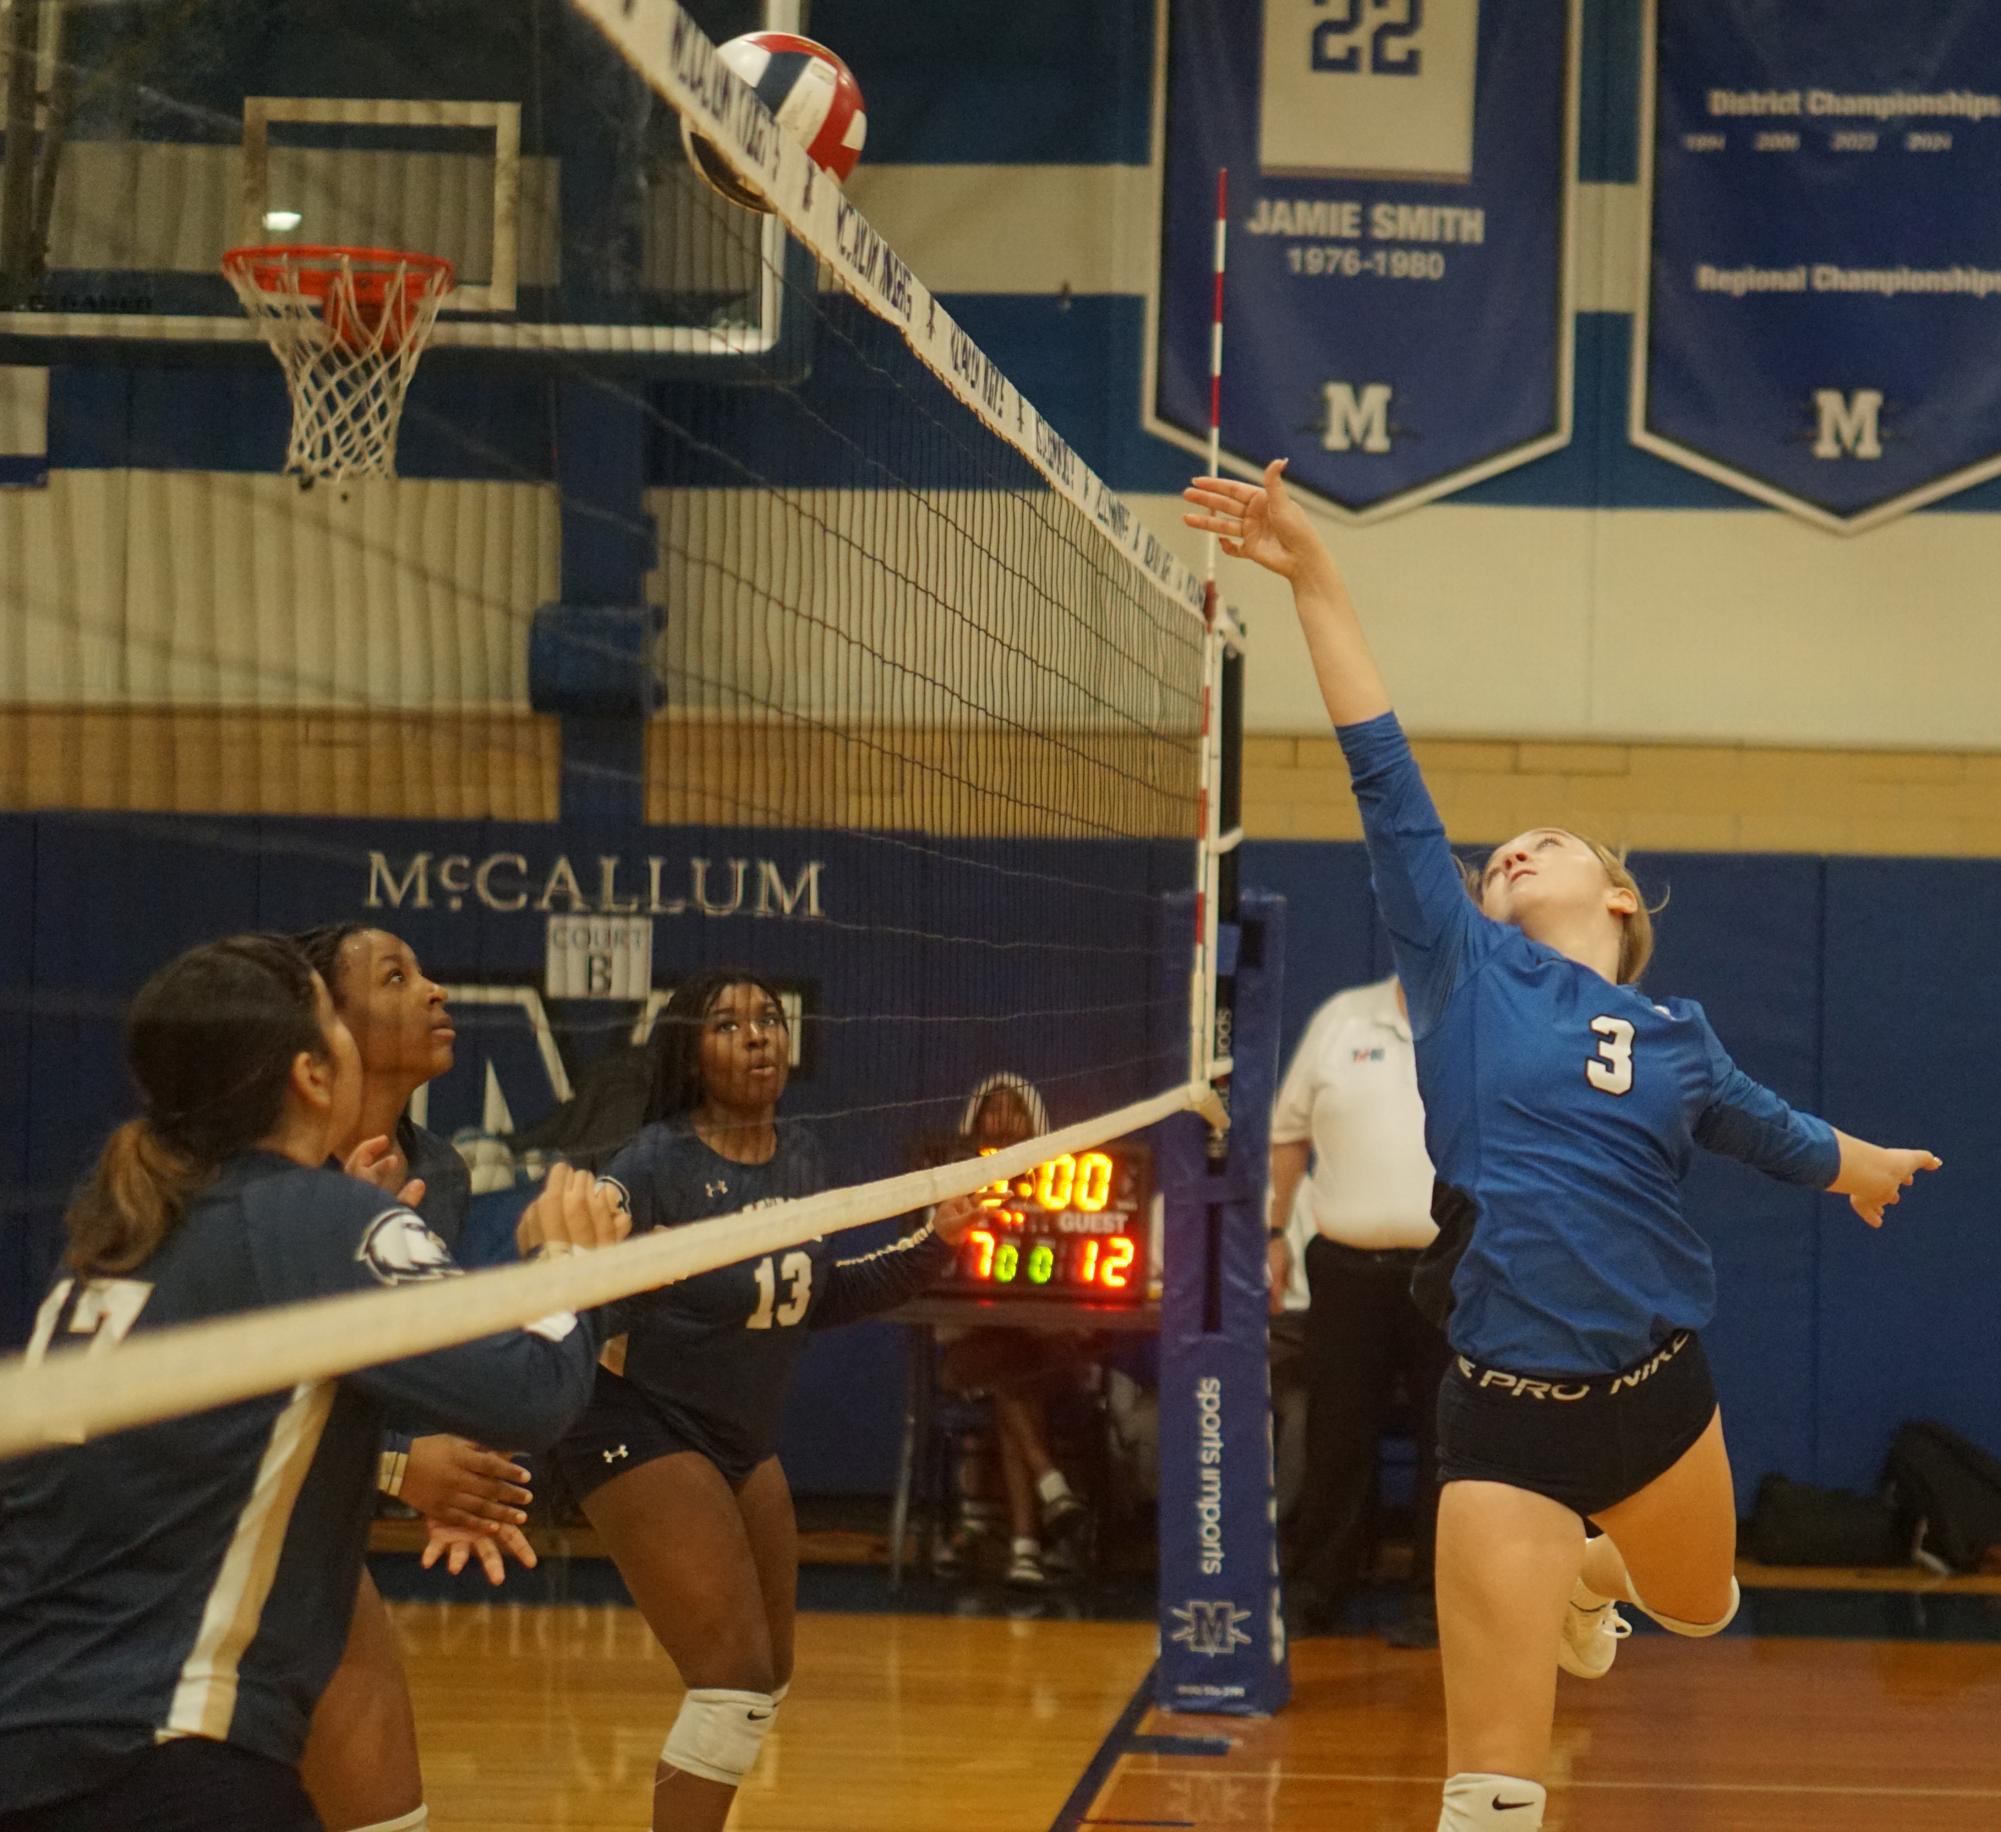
x=874, y=690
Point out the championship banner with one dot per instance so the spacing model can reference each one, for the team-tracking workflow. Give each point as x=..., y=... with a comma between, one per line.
x=1397, y=315
x=1222, y=1633
x=1821, y=313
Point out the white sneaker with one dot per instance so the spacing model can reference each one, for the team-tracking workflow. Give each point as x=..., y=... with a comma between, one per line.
x=1024, y=1570
x=1590, y=1640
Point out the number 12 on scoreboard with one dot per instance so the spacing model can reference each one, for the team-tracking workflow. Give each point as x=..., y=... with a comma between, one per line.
x=1369, y=88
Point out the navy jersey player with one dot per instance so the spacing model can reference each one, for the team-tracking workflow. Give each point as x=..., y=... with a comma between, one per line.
x=1562, y=1107
x=674, y=1460
x=360, y=1763
x=172, y=1598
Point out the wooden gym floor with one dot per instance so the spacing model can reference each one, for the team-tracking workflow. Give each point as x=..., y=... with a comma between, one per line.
x=1844, y=1704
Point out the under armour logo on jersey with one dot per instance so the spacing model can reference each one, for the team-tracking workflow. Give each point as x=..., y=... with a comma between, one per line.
x=612, y=1456
x=400, y=1250
x=719, y=1188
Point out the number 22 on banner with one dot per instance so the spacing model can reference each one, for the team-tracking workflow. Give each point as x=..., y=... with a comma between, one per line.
x=1368, y=88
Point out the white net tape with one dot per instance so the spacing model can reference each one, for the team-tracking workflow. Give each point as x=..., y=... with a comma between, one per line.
x=164, y=1373
x=347, y=361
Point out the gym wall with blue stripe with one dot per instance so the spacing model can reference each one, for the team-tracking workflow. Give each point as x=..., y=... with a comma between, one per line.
x=1598, y=593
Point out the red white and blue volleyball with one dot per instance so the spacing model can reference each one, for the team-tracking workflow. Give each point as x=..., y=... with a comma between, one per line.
x=812, y=94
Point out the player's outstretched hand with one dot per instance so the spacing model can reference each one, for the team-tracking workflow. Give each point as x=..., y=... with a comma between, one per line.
x=457, y=1545
x=951, y=1218
x=454, y=1482
x=573, y=1210
x=1873, y=1177
x=1255, y=522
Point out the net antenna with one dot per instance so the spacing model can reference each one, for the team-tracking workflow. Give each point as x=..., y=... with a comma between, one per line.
x=347, y=326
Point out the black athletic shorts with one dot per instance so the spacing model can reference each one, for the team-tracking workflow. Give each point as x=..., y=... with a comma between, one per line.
x=191, y=1784
x=621, y=1428
x=1584, y=1441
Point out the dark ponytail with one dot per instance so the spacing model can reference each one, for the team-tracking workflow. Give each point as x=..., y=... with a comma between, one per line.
x=210, y=1039
x=677, y=1037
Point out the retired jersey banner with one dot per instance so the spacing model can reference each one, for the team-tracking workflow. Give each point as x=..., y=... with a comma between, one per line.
x=1397, y=317
x=1822, y=314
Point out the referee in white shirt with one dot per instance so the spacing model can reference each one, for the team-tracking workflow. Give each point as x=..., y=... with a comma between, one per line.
x=1349, y=1108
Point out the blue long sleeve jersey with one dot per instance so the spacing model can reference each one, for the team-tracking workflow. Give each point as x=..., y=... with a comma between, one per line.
x=715, y=1353
x=197, y=1577
x=1561, y=1113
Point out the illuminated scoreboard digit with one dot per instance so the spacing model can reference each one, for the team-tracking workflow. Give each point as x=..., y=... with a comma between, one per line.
x=1075, y=1227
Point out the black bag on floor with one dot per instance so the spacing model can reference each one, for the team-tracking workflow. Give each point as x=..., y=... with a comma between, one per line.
x=1794, y=1523
x=1946, y=1492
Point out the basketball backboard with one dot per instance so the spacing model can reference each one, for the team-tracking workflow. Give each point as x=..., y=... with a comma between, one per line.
x=505, y=135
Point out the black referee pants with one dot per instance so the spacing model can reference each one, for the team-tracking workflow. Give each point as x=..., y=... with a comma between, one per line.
x=1365, y=1343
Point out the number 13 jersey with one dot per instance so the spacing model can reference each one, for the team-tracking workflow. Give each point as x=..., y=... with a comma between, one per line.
x=1561, y=1113
x=713, y=1354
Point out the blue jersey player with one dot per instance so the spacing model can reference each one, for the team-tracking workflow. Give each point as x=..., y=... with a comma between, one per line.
x=360, y=1763
x=172, y=1598
x=1562, y=1108
x=675, y=1458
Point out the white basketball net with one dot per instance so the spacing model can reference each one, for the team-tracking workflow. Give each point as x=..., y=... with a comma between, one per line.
x=347, y=391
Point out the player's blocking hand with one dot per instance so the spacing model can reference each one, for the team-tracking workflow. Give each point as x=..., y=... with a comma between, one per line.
x=1255, y=522
x=1874, y=1177
x=454, y=1482
x=573, y=1210
x=951, y=1218
x=458, y=1545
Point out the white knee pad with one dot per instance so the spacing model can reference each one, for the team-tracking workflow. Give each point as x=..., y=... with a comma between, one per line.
x=417, y=1821
x=718, y=1733
x=1474, y=1802
x=1695, y=1631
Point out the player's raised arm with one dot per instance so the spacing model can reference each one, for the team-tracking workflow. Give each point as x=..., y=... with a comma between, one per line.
x=1431, y=920
x=1263, y=524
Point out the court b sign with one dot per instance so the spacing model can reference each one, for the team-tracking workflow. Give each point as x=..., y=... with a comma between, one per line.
x=599, y=957
x=1397, y=318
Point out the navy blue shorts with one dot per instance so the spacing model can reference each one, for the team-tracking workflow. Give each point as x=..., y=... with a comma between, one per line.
x=1586, y=1441
x=622, y=1428
x=191, y=1784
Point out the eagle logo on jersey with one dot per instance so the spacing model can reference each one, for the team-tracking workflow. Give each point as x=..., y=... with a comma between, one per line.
x=399, y=1250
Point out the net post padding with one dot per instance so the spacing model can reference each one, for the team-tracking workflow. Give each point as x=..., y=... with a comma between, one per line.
x=348, y=326
x=191, y=1367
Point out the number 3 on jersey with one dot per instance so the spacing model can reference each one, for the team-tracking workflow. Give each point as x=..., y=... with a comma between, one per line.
x=1611, y=1072
x=796, y=1269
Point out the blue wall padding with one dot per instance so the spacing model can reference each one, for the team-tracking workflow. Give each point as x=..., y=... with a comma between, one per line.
x=1906, y=1316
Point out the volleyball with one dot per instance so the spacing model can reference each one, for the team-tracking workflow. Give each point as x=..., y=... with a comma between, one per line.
x=810, y=91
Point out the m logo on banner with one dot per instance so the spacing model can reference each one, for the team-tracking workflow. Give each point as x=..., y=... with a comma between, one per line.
x=1848, y=423
x=1211, y=1628
x=1357, y=419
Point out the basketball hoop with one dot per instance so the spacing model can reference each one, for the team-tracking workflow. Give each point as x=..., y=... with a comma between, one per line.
x=347, y=325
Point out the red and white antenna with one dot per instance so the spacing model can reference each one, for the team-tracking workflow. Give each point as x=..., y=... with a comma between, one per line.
x=1216, y=373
